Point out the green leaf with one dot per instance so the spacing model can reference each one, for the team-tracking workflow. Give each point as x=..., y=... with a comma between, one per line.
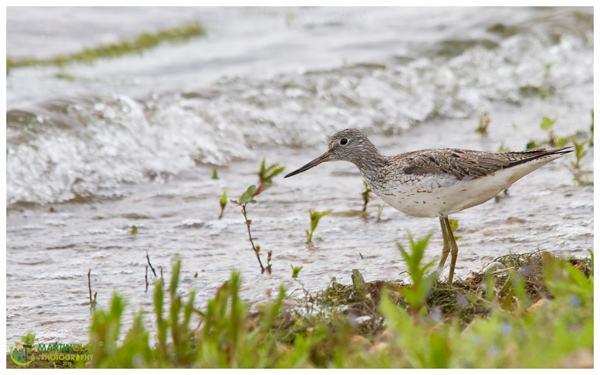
x=547, y=123
x=454, y=226
x=223, y=203
x=276, y=171
x=247, y=195
x=251, y=189
x=561, y=142
x=266, y=174
x=315, y=216
x=296, y=271
x=397, y=318
x=415, y=294
x=562, y=279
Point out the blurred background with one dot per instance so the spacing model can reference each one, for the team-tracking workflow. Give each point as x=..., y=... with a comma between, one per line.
x=97, y=145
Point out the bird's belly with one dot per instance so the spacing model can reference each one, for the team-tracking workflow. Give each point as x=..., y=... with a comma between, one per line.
x=430, y=196
x=424, y=204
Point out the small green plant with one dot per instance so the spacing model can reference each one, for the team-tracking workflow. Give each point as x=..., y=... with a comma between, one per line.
x=269, y=255
x=513, y=293
x=454, y=227
x=547, y=123
x=579, y=153
x=564, y=280
x=484, y=122
x=421, y=284
x=366, y=197
x=552, y=140
x=296, y=271
x=245, y=198
x=215, y=175
x=266, y=174
x=223, y=203
x=315, y=216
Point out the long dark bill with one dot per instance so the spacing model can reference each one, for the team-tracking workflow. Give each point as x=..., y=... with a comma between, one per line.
x=323, y=158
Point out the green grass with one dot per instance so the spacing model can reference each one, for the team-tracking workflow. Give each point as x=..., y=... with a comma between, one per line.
x=137, y=45
x=538, y=314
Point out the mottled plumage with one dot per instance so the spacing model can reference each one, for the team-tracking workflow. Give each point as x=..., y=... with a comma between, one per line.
x=434, y=182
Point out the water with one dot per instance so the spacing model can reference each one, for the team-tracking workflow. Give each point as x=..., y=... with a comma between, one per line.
x=134, y=140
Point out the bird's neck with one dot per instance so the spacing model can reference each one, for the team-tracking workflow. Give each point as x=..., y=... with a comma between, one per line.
x=371, y=163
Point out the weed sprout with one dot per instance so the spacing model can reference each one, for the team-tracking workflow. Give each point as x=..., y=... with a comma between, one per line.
x=315, y=216
x=421, y=284
x=296, y=271
x=223, y=203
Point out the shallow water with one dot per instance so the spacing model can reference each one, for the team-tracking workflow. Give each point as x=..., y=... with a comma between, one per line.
x=134, y=140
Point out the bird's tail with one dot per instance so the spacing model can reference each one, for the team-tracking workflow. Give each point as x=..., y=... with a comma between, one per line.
x=522, y=157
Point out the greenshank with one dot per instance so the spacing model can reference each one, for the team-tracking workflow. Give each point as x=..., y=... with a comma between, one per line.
x=434, y=182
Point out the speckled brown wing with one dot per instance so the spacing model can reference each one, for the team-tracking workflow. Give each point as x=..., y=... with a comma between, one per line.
x=467, y=163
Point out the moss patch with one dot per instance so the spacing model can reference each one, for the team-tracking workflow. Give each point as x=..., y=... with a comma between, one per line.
x=464, y=300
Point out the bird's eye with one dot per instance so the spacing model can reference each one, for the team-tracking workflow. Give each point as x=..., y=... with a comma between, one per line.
x=343, y=141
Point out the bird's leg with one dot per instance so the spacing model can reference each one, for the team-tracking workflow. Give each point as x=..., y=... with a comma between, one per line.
x=454, y=248
x=446, y=249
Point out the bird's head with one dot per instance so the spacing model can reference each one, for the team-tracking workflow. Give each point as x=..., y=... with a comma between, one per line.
x=348, y=145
